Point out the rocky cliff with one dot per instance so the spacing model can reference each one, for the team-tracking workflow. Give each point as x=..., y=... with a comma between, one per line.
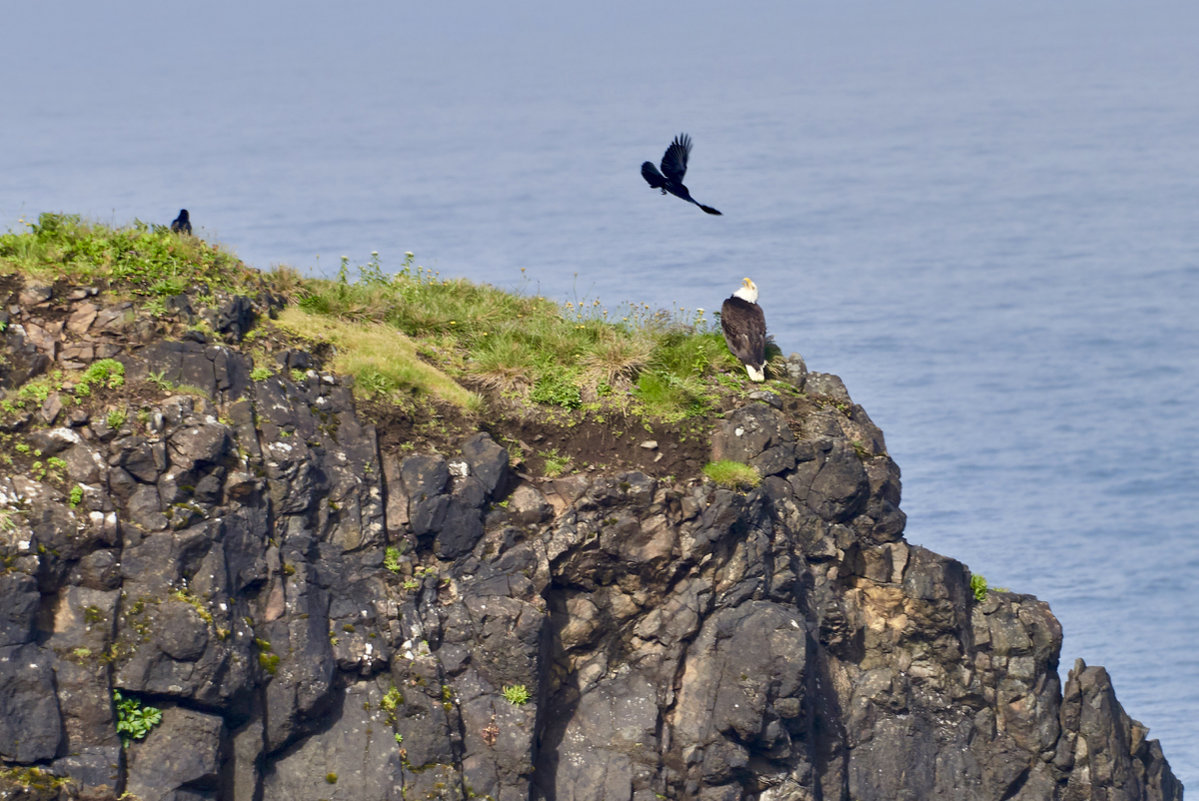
x=223, y=586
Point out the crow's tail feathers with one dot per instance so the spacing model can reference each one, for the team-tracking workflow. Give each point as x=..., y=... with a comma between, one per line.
x=708, y=209
x=651, y=175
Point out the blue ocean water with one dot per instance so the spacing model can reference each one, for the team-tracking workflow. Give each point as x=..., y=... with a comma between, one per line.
x=982, y=218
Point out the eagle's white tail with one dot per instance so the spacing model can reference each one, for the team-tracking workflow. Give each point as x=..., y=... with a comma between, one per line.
x=755, y=373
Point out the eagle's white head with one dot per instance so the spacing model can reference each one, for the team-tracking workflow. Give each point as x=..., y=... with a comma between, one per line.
x=747, y=291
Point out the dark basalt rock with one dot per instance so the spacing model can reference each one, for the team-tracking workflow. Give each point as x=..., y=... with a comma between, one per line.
x=319, y=619
x=182, y=762
x=18, y=612
x=233, y=318
x=30, y=720
x=757, y=435
x=424, y=477
x=489, y=463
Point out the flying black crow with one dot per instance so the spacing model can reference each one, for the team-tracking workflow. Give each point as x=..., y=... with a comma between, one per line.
x=674, y=167
x=182, y=224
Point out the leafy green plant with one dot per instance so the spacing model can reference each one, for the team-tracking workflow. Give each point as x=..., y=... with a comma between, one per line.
x=37, y=390
x=734, y=475
x=107, y=373
x=557, y=388
x=391, y=702
x=978, y=586
x=516, y=694
x=391, y=558
x=116, y=418
x=76, y=496
x=260, y=374
x=160, y=380
x=134, y=719
x=555, y=463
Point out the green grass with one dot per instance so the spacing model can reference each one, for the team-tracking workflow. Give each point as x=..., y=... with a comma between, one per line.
x=383, y=361
x=101, y=374
x=734, y=475
x=667, y=365
x=556, y=463
x=144, y=260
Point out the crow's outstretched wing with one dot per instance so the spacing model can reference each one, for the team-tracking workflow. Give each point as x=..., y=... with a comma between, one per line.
x=674, y=160
x=651, y=175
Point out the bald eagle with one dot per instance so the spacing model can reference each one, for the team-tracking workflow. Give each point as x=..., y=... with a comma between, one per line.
x=745, y=329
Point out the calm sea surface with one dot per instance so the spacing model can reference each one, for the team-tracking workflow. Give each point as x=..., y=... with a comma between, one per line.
x=984, y=220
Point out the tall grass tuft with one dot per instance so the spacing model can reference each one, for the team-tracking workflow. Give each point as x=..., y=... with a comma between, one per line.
x=734, y=475
x=383, y=361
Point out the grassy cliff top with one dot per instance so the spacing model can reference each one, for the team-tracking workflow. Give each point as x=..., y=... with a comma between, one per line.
x=416, y=344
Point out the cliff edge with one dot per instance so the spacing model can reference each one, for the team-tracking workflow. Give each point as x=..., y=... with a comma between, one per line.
x=224, y=582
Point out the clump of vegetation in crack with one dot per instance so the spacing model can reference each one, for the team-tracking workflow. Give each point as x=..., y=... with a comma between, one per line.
x=105, y=373
x=72, y=387
x=134, y=719
x=734, y=475
x=33, y=778
x=516, y=694
x=391, y=558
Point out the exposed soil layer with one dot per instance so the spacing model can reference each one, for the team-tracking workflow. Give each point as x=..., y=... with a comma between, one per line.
x=551, y=444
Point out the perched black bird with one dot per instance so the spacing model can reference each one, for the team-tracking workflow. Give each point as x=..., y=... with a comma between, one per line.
x=182, y=224
x=674, y=167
